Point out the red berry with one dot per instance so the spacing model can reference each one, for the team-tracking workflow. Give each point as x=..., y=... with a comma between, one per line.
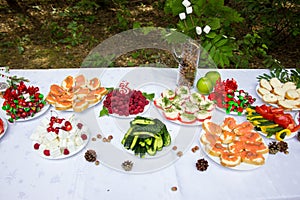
x=66, y=152
x=83, y=136
x=79, y=125
x=68, y=126
x=47, y=152
x=36, y=146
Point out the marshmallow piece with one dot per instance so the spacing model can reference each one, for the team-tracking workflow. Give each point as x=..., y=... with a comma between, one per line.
x=53, y=143
x=63, y=143
x=42, y=148
x=206, y=29
x=189, y=10
x=182, y=16
x=51, y=136
x=186, y=3
x=71, y=137
x=78, y=141
x=198, y=30
x=62, y=134
x=71, y=146
x=55, y=152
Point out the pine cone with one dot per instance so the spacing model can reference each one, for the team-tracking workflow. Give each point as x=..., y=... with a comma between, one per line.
x=127, y=165
x=283, y=147
x=273, y=148
x=202, y=164
x=90, y=155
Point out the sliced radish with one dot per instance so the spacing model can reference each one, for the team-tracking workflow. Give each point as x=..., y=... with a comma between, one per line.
x=190, y=107
x=203, y=115
x=183, y=92
x=187, y=118
x=197, y=98
x=170, y=94
x=158, y=103
x=171, y=114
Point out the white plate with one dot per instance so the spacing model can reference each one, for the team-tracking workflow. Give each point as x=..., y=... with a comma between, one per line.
x=113, y=153
x=231, y=113
x=5, y=126
x=273, y=104
x=242, y=166
x=85, y=142
x=38, y=114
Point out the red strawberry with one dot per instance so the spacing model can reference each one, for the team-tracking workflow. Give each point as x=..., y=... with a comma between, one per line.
x=36, y=146
x=66, y=152
x=47, y=152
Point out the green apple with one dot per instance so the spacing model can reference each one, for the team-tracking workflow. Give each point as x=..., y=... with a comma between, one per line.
x=213, y=76
x=204, y=85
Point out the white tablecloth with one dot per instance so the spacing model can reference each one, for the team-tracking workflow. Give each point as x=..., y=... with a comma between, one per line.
x=25, y=175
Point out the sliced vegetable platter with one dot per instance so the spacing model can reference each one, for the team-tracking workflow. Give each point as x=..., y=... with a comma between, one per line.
x=273, y=122
x=183, y=106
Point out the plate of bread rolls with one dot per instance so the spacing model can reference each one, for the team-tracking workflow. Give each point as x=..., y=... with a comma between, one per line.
x=274, y=92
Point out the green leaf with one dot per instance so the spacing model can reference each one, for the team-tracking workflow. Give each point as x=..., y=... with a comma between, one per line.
x=211, y=35
x=214, y=23
x=104, y=112
x=148, y=96
x=221, y=42
x=109, y=89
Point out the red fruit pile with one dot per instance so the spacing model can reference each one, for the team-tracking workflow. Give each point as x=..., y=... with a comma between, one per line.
x=66, y=127
x=226, y=95
x=131, y=103
x=22, y=101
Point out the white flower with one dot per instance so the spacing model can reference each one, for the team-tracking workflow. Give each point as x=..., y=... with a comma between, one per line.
x=224, y=36
x=189, y=10
x=182, y=16
x=186, y=3
x=206, y=29
x=198, y=30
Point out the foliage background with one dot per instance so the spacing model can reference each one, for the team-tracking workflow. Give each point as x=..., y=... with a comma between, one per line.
x=60, y=34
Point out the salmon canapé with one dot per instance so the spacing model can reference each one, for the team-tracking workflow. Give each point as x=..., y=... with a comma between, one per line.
x=250, y=137
x=243, y=128
x=68, y=83
x=230, y=159
x=252, y=158
x=212, y=127
x=94, y=83
x=229, y=124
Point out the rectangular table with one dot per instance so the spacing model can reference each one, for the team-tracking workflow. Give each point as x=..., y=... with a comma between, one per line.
x=25, y=175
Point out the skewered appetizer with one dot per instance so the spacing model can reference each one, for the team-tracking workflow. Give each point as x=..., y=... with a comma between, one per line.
x=233, y=143
x=22, y=101
x=76, y=93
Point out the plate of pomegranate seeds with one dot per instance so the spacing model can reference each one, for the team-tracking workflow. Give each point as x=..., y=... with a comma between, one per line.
x=3, y=127
x=125, y=104
x=22, y=103
x=59, y=137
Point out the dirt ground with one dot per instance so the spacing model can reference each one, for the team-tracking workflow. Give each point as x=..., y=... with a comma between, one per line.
x=35, y=43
